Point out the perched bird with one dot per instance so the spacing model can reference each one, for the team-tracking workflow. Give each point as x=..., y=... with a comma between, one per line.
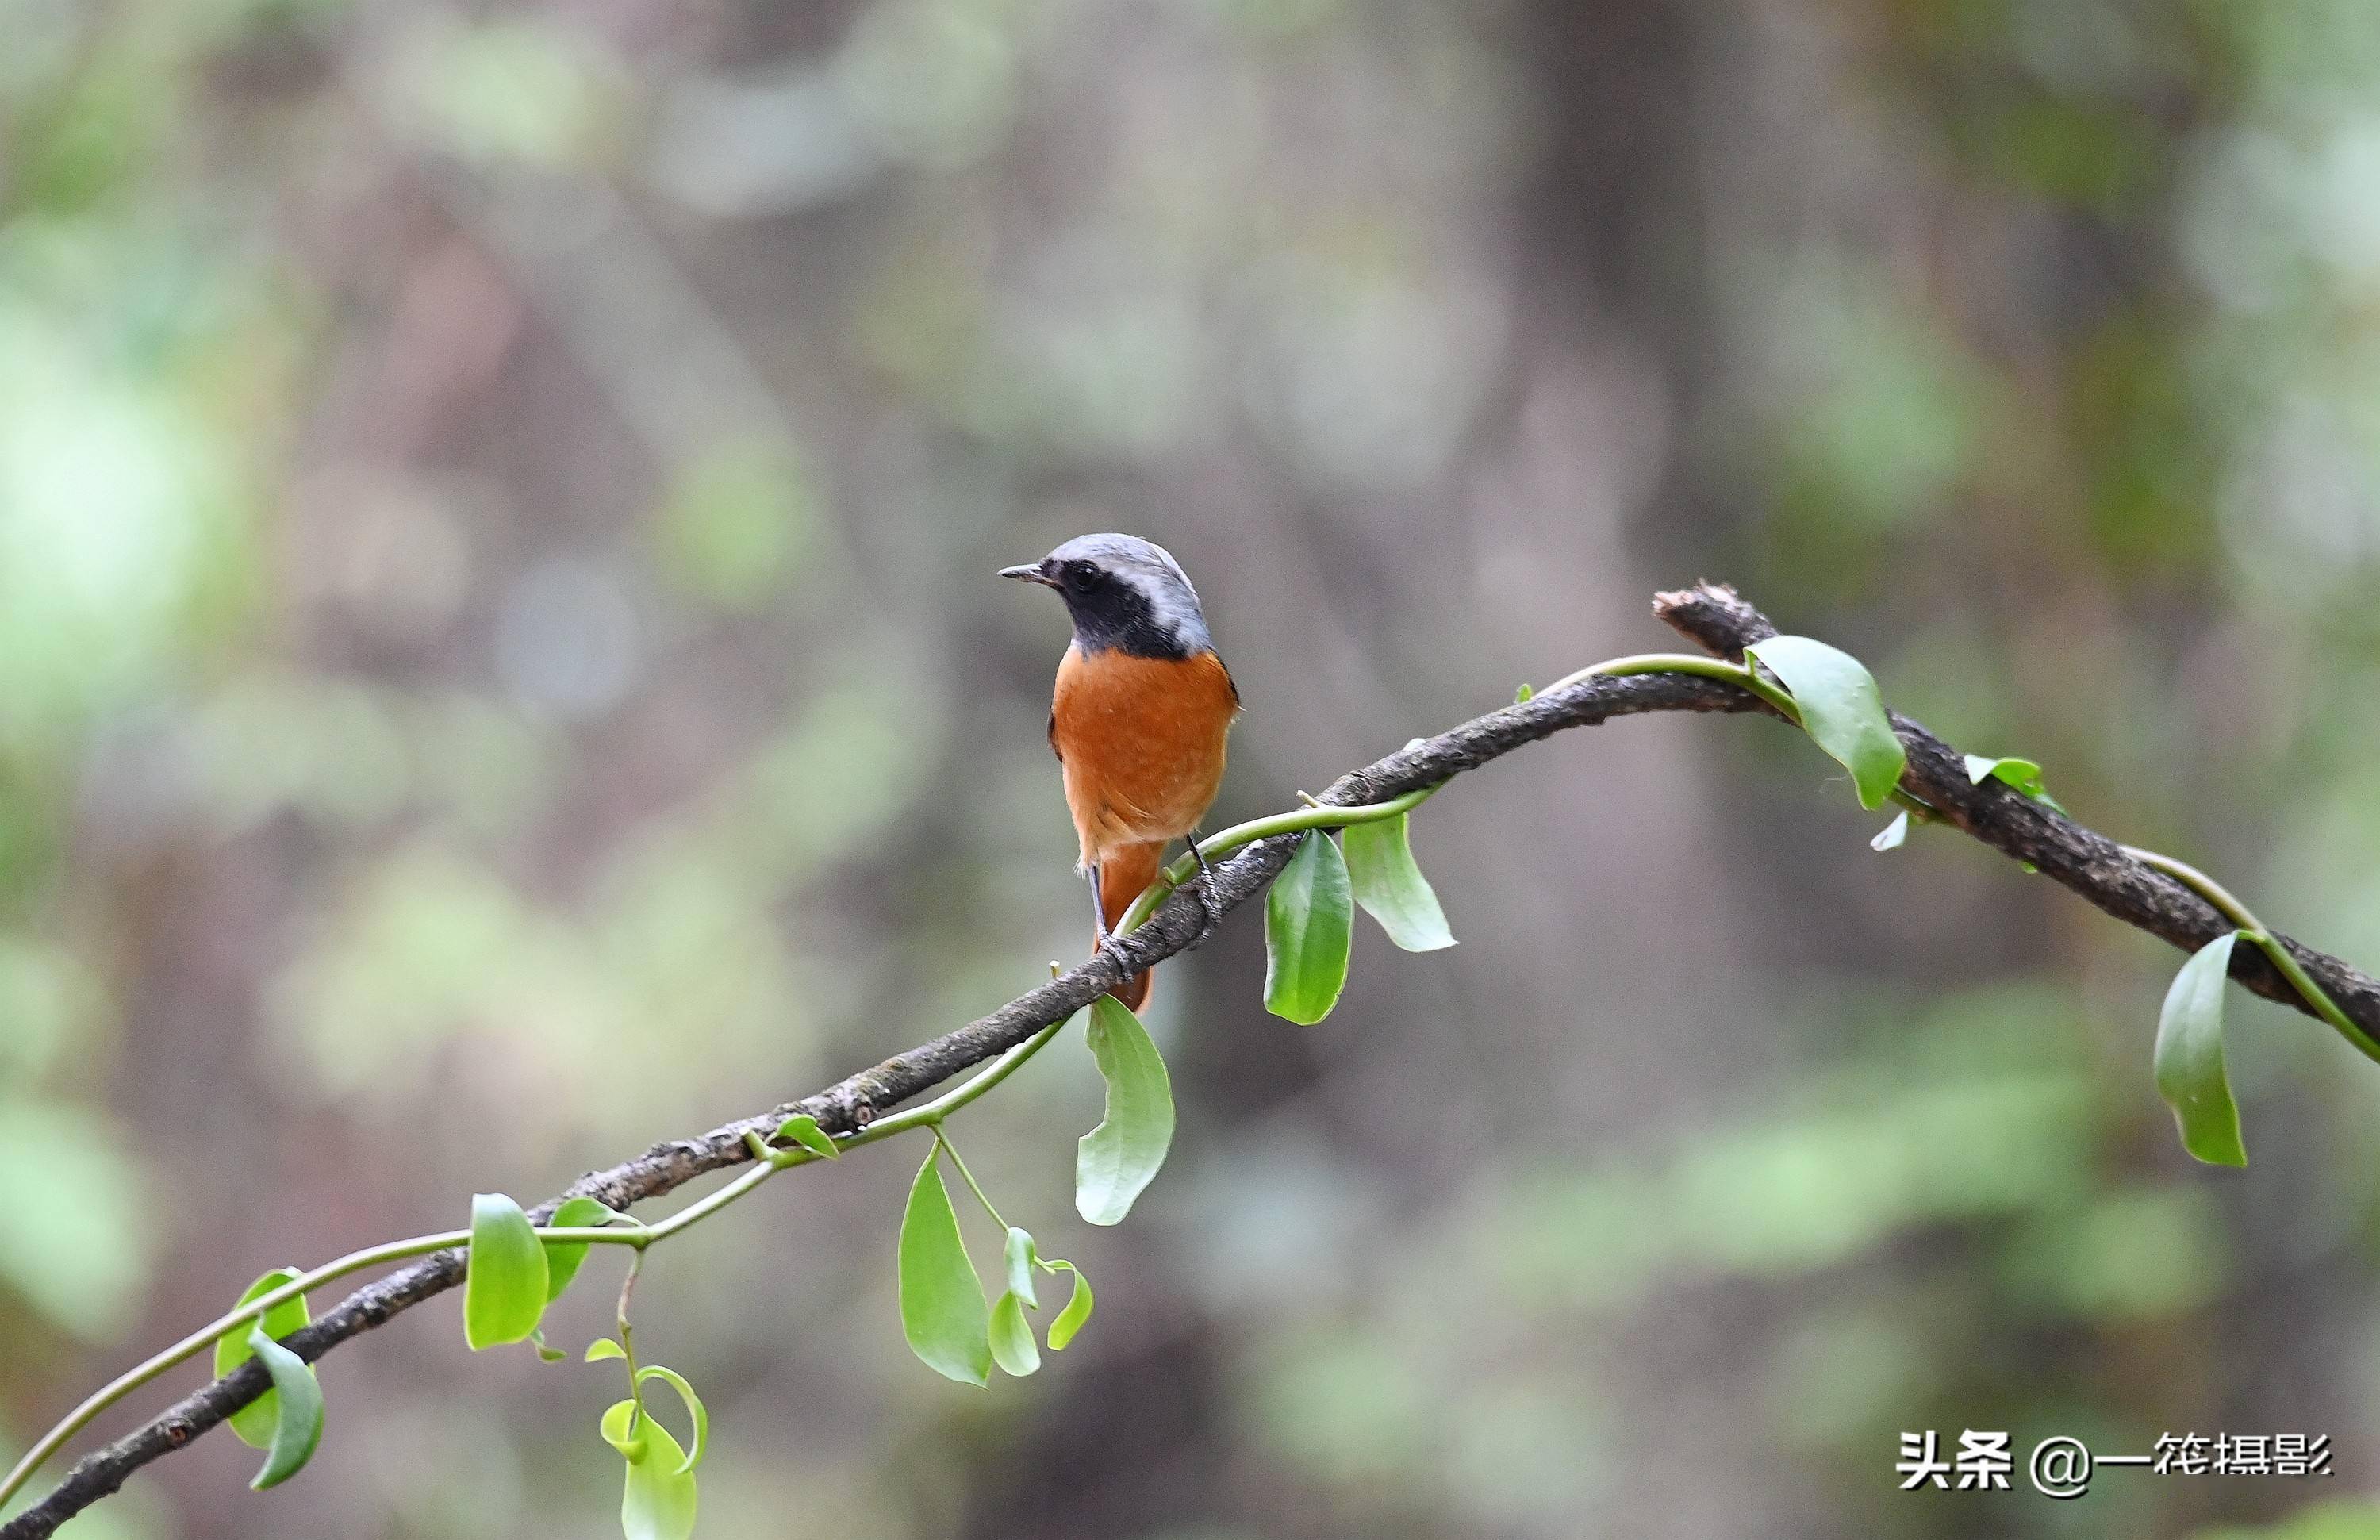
x=1142, y=709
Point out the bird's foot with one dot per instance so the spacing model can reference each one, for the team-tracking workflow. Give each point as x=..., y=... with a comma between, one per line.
x=1208, y=903
x=1208, y=906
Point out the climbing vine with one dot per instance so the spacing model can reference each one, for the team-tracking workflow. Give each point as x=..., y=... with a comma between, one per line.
x=515, y=1268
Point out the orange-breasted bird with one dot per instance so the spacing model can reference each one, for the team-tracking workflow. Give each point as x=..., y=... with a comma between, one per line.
x=1139, y=719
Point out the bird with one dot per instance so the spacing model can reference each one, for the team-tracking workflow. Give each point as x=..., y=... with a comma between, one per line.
x=1139, y=719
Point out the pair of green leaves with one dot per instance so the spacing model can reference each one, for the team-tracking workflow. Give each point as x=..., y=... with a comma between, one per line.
x=1310, y=913
x=943, y=1310
x=1012, y=1333
x=513, y=1274
x=659, y=1500
x=286, y=1420
x=1842, y=709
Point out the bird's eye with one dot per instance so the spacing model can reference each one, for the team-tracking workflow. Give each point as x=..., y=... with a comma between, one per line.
x=1082, y=574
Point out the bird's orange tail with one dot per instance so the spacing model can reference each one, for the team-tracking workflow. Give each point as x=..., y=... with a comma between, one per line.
x=1123, y=874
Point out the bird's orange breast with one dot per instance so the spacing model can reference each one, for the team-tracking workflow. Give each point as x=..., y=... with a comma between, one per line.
x=1141, y=741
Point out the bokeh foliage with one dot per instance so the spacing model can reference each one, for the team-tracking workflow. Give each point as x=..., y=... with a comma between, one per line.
x=496, y=509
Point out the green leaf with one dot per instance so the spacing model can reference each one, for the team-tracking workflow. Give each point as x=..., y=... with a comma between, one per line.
x=2016, y=773
x=1526, y=694
x=1021, y=1261
x=503, y=1292
x=562, y=1257
x=545, y=1350
x=255, y=1422
x=694, y=1410
x=1891, y=835
x=297, y=1411
x=660, y=1501
x=942, y=1312
x=1012, y=1338
x=2190, y=1057
x=1309, y=920
x=1841, y=710
x=1078, y=1308
x=804, y=1130
x=2023, y=774
x=1115, y=1161
x=1388, y=883
x=603, y=1348
x=624, y=1430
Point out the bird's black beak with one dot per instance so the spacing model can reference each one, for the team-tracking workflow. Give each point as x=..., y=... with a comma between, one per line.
x=1030, y=574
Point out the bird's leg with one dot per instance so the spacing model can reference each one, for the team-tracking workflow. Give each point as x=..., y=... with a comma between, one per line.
x=1099, y=912
x=1207, y=900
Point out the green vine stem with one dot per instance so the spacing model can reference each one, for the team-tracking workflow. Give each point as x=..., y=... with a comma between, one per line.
x=767, y=1164
x=2228, y=905
x=767, y=1161
x=973, y=1185
x=629, y=1335
x=1685, y=662
x=1319, y=816
x=1743, y=676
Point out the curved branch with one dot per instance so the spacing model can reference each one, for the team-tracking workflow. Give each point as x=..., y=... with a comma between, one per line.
x=2103, y=871
x=2089, y=863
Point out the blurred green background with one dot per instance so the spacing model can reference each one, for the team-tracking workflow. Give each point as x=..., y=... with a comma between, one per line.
x=500, y=663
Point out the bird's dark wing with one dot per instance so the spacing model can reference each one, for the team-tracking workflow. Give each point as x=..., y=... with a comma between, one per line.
x=1053, y=733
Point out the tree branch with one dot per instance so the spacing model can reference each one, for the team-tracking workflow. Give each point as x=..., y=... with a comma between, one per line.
x=2064, y=851
x=2088, y=863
